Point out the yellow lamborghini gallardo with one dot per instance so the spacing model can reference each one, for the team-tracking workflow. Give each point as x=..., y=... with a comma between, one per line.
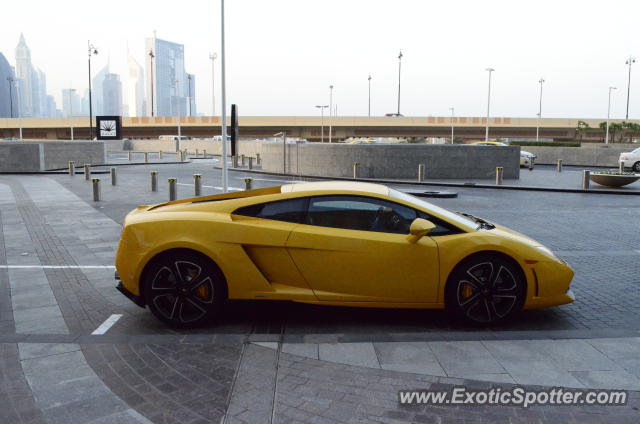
x=330, y=243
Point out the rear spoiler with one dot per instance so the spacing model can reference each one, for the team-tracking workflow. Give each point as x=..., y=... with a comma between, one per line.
x=224, y=196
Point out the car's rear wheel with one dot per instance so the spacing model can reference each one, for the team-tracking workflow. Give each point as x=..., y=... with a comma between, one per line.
x=485, y=289
x=183, y=289
x=636, y=167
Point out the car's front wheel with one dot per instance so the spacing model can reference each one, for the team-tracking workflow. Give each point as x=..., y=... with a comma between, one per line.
x=485, y=289
x=183, y=289
x=636, y=167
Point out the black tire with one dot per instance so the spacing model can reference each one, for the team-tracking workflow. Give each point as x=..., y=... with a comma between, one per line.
x=485, y=289
x=183, y=289
x=636, y=167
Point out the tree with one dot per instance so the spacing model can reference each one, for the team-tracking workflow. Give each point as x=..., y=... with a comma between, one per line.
x=581, y=129
x=615, y=129
x=632, y=129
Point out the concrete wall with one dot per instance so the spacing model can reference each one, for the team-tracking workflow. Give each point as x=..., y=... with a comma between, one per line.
x=393, y=161
x=587, y=155
x=245, y=147
x=25, y=156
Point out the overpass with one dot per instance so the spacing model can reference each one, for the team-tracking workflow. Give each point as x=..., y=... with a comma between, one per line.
x=310, y=127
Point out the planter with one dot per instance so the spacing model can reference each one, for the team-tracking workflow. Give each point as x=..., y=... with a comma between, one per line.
x=612, y=180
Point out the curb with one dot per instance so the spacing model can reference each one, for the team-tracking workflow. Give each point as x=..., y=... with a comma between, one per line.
x=458, y=185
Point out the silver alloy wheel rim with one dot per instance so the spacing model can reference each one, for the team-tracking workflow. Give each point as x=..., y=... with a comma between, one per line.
x=494, y=293
x=175, y=292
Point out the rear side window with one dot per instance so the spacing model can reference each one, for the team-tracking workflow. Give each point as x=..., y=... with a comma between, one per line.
x=290, y=210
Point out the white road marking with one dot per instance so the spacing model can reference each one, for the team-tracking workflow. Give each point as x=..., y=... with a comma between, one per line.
x=58, y=266
x=105, y=326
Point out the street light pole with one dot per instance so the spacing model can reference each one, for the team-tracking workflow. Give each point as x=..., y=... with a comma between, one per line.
x=151, y=57
x=71, y=91
x=606, y=139
x=176, y=83
x=91, y=51
x=330, y=110
x=213, y=57
x=629, y=62
x=369, y=95
x=224, y=103
x=399, y=71
x=541, y=81
x=452, y=116
x=322, y=107
x=486, y=132
x=189, y=79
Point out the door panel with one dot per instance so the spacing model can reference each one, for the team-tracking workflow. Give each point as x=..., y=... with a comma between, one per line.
x=354, y=265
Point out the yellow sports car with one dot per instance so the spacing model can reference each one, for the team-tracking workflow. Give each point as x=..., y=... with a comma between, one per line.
x=330, y=243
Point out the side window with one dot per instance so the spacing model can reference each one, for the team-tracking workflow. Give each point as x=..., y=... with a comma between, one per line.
x=360, y=213
x=290, y=210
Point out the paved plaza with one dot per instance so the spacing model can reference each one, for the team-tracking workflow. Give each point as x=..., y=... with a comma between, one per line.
x=283, y=362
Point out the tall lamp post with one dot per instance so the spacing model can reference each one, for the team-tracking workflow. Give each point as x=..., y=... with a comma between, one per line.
x=452, y=117
x=151, y=57
x=224, y=103
x=399, y=70
x=91, y=50
x=213, y=57
x=629, y=62
x=486, y=132
x=189, y=79
x=369, y=95
x=606, y=139
x=71, y=91
x=330, y=111
x=322, y=107
x=10, y=82
x=541, y=81
x=177, y=84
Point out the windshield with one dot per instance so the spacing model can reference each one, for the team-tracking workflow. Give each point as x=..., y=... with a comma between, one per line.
x=452, y=217
x=636, y=150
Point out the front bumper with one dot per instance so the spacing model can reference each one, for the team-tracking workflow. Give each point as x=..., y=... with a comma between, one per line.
x=138, y=300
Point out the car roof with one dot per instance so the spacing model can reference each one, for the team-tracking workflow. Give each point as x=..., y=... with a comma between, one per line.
x=336, y=186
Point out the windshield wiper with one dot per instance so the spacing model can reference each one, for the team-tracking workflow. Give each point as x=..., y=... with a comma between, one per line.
x=482, y=223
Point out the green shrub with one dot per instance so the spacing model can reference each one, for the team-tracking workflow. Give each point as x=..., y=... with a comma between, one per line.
x=546, y=143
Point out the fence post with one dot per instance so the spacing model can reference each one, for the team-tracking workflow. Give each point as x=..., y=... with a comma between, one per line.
x=72, y=168
x=172, y=188
x=154, y=180
x=114, y=177
x=421, y=172
x=585, y=179
x=499, y=171
x=197, y=184
x=96, y=189
x=248, y=183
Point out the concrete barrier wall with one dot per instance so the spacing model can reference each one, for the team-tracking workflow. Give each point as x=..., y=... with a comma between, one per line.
x=587, y=155
x=245, y=147
x=392, y=161
x=26, y=156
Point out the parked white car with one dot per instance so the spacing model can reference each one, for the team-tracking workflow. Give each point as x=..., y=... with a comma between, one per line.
x=526, y=158
x=631, y=159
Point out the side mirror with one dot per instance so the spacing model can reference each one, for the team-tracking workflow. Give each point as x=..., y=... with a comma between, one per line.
x=419, y=228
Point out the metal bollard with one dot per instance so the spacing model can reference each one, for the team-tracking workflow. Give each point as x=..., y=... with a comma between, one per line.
x=204, y=153
x=172, y=188
x=181, y=156
x=87, y=171
x=257, y=158
x=242, y=160
x=585, y=179
x=248, y=183
x=559, y=165
x=531, y=163
x=196, y=152
x=96, y=189
x=114, y=178
x=421, y=172
x=621, y=166
x=72, y=168
x=146, y=157
x=154, y=180
x=160, y=154
x=250, y=162
x=499, y=171
x=128, y=155
x=355, y=169
x=197, y=184
x=234, y=161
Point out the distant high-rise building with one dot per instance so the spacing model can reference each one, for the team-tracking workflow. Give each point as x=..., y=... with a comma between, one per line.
x=8, y=93
x=168, y=67
x=52, y=109
x=40, y=95
x=135, y=89
x=25, y=72
x=112, y=95
x=71, y=105
x=191, y=94
x=97, y=91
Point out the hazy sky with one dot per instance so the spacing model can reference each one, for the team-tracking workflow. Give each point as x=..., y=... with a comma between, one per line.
x=283, y=54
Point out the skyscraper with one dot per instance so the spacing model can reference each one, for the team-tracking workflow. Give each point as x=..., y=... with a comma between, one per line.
x=71, y=105
x=168, y=67
x=135, y=89
x=25, y=72
x=112, y=95
x=97, y=91
x=8, y=99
